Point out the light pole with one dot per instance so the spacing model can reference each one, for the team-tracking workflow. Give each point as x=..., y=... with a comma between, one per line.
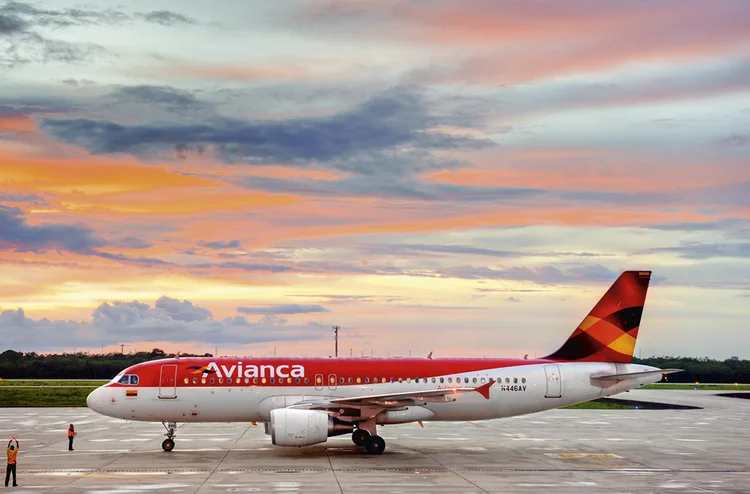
x=336, y=339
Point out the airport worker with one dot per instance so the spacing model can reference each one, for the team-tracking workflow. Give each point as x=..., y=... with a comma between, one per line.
x=71, y=435
x=12, y=458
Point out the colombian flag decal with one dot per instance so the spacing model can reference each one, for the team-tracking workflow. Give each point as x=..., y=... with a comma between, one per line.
x=131, y=392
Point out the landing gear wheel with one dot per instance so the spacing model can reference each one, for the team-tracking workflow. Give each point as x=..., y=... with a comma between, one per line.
x=375, y=445
x=168, y=444
x=360, y=436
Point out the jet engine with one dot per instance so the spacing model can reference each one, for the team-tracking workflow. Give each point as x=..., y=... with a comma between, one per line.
x=290, y=427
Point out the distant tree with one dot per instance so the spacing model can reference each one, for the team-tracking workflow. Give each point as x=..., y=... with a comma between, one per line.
x=157, y=352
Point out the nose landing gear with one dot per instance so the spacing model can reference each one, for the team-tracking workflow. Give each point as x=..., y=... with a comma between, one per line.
x=168, y=444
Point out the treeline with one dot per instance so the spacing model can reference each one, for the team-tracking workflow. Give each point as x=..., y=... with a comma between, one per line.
x=703, y=370
x=18, y=365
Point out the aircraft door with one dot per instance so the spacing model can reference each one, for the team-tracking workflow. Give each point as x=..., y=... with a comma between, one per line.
x=318, y=382
x=168, y=381
x=554, y=384
x=331, y=381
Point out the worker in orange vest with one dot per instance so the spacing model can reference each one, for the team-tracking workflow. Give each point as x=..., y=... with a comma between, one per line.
x=12, y=458
x=71, y=435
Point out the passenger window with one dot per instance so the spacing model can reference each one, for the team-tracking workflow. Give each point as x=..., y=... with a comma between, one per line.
x=515, y=380
x=466, y=380
x=263, y=380
x=483, y=380
x=349, y=380
x=307, y=380
x=367, y=380
x=296, y=380
x=247, y=380
x=203, y=380
x=221, y=380
x=273, y=380
x=507, y=380
x=255, y=380
x=187, y=381
x=416, y=380
x=289, y=380
x=213, y=380
x=523, y=380
x=474, y=380
x=400, y=379
x=124, y=379
x=450, y=380
x=341, y=380
x=408, y=379
x=359, y=380
x=442, y=380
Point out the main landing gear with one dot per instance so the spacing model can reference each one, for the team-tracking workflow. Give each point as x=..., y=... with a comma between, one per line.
x=168, y=444
x=373, y=443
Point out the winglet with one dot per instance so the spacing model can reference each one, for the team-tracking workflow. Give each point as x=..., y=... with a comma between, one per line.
x=429, y=356
x=484, y=389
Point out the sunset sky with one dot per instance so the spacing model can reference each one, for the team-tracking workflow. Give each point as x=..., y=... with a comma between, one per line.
x=466, y=178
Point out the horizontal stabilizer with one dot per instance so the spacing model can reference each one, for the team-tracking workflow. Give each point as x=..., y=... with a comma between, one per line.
x=633, y=375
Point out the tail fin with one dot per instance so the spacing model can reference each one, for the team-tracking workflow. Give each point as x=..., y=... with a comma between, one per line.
x=609, y=332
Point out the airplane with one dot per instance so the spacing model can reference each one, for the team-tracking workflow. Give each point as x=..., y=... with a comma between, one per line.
x=304, y=401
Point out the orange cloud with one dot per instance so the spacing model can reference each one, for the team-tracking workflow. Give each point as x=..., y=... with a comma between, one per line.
x=89, y=175
x=531, y=42
x=592, y=170
x=17, y=123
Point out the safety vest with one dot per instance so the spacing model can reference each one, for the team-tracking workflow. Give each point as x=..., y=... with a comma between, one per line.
x=12, y=454
x=71, y=433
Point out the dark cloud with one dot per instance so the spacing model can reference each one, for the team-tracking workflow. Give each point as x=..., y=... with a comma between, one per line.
x=21, y=43
x=404, y=248
x=10, y=24
x=134, y=243
x=390, y=133
x=16, y=234
x=735, y=140
x=244, y=266
x=166, y=18
x=232, y=244
x=701, y=250
x=286, y=309
x=63, y=17
x=387, y=185
x=541, y=275
x=166, y=96
x=22, y=198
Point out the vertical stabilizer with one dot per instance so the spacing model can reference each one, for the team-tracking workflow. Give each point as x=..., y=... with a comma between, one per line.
x=609, y=332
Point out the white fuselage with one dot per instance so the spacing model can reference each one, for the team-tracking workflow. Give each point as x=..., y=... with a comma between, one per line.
x=518, y=390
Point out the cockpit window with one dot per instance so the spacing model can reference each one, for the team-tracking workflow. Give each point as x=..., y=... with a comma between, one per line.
x=130, y=379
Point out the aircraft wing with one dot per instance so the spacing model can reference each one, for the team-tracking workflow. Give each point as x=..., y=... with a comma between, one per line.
x=393, y=400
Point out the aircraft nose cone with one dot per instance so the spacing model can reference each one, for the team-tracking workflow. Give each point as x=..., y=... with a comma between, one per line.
x=92, y=401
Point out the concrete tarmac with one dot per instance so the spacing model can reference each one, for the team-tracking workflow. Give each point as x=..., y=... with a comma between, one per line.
x=561, y=451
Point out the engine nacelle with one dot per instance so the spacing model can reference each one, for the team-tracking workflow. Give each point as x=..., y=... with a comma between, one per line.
x=290, y=427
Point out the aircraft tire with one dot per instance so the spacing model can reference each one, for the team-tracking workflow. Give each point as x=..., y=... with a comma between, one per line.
x=359, y=437
x=167, y=445
x=375, y=445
